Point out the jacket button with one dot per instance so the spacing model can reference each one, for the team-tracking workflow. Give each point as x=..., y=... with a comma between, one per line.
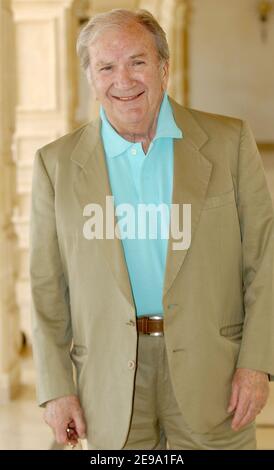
x=131, y=364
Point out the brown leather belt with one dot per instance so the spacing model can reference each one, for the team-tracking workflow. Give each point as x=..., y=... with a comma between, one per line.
x=152, y=325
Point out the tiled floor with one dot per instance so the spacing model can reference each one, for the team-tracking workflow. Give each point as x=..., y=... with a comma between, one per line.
x=22, y=425
x=21, y=422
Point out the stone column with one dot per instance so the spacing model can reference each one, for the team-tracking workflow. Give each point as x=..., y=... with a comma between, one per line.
x=10, y=338
x=46, y=87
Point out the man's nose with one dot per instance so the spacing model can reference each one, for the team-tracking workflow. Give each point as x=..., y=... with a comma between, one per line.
x=123, y=78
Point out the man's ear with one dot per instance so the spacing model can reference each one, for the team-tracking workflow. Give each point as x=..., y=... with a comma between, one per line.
x=165, y=73
x=90, y=82
x=88, y=75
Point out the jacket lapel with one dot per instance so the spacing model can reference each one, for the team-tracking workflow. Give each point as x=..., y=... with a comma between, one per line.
x=190, y=182
x=91, y=185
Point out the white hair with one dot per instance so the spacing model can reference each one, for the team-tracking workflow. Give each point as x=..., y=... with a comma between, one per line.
x=120, y=17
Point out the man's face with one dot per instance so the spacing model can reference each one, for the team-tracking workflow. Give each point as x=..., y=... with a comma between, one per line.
x=126, y=75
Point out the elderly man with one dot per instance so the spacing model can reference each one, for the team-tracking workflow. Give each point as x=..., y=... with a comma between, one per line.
x=170, y=344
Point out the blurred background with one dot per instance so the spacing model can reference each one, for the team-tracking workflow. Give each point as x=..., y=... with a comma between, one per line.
x=222, y=62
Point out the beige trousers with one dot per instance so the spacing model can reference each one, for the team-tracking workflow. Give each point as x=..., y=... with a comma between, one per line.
x=157, y=422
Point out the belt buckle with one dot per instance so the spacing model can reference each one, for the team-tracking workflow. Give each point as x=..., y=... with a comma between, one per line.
x=156, y=333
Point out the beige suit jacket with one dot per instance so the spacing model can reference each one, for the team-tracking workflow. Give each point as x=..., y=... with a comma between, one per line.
x=218, y=294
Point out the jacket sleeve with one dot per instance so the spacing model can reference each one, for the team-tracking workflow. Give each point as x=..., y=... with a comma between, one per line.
x=257, y=231
x=51, y=322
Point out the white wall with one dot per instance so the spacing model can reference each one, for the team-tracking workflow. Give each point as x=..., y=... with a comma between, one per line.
x=231, y=69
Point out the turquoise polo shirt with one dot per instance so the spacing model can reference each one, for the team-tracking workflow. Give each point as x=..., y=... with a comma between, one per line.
x=137, y=180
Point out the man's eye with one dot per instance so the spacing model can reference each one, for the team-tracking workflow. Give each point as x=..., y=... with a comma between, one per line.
x=138, y=62
x=107, y=67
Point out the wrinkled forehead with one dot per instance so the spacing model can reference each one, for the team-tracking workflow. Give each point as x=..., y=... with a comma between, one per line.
x=116, y=40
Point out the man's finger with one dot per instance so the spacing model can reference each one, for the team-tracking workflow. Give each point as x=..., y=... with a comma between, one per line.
x=72, y=433
x=80, y=424
x=249, y=416
x=61, y=435
x=234, y=398
x=242, y=406
x=72, y=440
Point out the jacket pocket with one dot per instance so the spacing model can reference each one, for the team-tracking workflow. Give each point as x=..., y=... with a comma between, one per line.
x=232, y=332
x=219, y=200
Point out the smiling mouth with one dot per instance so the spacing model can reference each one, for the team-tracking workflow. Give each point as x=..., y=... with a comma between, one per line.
x=128, y=98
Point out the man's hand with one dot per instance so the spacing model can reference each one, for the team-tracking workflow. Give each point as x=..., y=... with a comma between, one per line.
x=250, y=389
x=66, y=413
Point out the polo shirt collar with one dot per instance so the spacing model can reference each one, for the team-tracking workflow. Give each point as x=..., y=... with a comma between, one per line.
x=115, y=144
